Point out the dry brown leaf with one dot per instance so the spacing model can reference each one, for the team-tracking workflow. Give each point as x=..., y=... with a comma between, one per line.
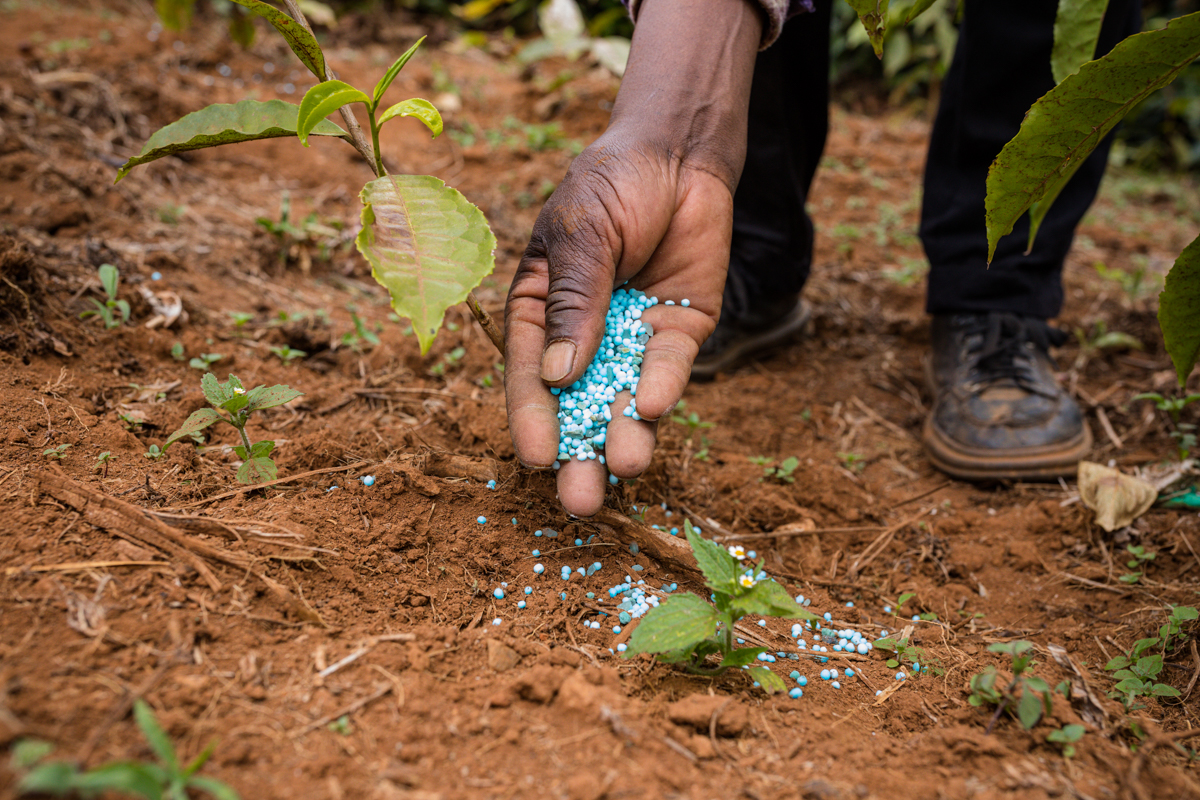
x=1118, y=499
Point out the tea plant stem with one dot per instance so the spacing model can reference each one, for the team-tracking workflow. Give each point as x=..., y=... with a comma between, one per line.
x=379, y=170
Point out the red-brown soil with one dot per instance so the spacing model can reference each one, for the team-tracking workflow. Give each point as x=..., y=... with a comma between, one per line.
x=226, y=632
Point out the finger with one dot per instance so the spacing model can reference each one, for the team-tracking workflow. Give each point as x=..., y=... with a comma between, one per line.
x=581, y=486
x=629, y=443
x=666, y=368
x=532, y=409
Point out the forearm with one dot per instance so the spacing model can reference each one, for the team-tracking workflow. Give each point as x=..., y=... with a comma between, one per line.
x=687, y=84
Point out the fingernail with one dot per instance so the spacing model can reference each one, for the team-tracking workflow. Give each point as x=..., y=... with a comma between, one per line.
x=557, y=361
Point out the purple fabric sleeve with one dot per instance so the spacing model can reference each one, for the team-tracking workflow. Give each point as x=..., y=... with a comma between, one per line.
x=777, y=12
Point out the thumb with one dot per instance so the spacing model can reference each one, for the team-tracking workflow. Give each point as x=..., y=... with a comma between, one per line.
x=581, y=265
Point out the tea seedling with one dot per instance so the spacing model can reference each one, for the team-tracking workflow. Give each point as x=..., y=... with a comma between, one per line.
x=204, y=361
x=1140, y=557
x=686, y=630
x=154, y=453
x=781, y=473
x=1066, y=737
x=102, y=463
x=166, y=779
x=59, y=452
x=232, y=398
x=1025, y=696
x=287, y=355
x=1184, y=433
x=110, y=277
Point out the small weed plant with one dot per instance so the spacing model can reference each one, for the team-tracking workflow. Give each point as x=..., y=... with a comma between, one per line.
x=288, y=354
x=360, y=336
x=204, y=361
x=693, y=423
x=102, y=462
x=687, y=630
x=781, y=472
x=1141, y=557
x=1184, y=433
x=113, y=311
x=1137, y=670
x=1026, y=696
x=1066, y=738
x=59, y=452
x=238, y=404
x=166, y=779
x=154, y=453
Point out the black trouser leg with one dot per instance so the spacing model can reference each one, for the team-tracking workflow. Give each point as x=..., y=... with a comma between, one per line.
x=1001, y=66
x=789, y=118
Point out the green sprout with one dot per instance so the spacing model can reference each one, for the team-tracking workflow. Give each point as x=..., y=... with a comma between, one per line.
x=1067, y=736
x=781, y=473
x=1184, y=433
x=110, y=277
x=154, y=453
x=166, y=779
x=59, y=452
x=1140, y=558
x=1026, y=697
x=852, y=461
x=361, y=333
x=686, y=630
x=177, y=351
x=232, y=398
x=205, y=361
x=240, y=318
x=101, y=464
x=287, y=354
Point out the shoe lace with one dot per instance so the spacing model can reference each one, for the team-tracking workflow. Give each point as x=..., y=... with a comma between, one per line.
x=997, y=347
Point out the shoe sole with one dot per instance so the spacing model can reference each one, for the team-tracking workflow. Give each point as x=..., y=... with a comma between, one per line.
x=786, y=331
x=1046, y=463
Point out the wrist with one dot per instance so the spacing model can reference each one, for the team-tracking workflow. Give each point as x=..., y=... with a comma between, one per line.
x=687, y=85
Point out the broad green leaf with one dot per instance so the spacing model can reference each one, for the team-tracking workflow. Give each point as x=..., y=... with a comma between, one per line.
x=770, y=682
x=124, y=777
x=1062, y=128
x=1179, y=313
x=1029, y=710
x=1142, y=645
x=175, y=15
x=1118, y=662
x=240, y=452
x=301, y=41
x=770, y=599
x=271, y=396
x=1134, y=685
x=680, y=622
x=224, y=123
x=198, y=421
x=1163, y=690
x=1037, y=684
x=322, y=100
x=1122, y=674
x=1148, y=666
x=216, y=788
x=742, y=656
x=156, y=737
x=874, y=15
x=257, y=470
x=427, y=245
x=109, y=277
x=262, y=449
x=235, y=403
x=720, y=569
x=393, y=71
x=214, y=393
x=917, y=9
x=1076, y=29
x=1184, y=613
x=415, y=107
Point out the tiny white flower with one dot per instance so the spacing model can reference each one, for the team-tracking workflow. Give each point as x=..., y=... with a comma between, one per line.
x=238, y=390
x=737, y=552
x=747, y=580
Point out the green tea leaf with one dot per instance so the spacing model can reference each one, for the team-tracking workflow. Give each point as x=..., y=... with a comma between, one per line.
x=1179, y=313
x=680, y=622
x=322, y=100
x=427, y=245
x=257, y=470
x=770, y=682
x=720, y=569
x=300, y=40
x=874, y=16
x=1076, y=29
x=198, y=421
x=742, y=656
x=1069, y=121
x=1029, y=710
x=392, y=72
x=770, y=599
x=415, y=107
x=225, y=123
x=156, y=737
x=271, y=396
